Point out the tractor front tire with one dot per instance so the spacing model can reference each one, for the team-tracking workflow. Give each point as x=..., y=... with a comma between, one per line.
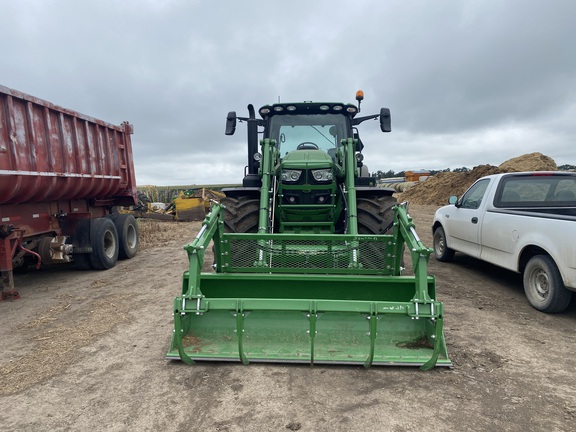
x=241, y=214
x=375, y=214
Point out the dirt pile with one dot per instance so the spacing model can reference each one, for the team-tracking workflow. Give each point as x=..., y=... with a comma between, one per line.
x=529, y=162
x=437, y=189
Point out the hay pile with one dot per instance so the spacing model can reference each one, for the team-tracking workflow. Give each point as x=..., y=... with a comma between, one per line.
x=437, y=189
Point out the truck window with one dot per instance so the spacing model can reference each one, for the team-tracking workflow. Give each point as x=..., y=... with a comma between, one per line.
x=566, y=192
x=473, y=196
x=537, y=191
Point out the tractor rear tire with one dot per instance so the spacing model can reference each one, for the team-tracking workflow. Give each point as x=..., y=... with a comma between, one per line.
x=375, y=214
x=104, y=239
x=241, y=214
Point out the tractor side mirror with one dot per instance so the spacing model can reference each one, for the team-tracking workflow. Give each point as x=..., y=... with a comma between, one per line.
x=385, y=122
x=231, y=123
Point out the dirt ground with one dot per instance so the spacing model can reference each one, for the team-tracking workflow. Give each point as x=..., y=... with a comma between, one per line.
x=85, y=350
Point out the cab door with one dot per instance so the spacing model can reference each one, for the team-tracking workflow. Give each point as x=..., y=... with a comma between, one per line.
x=465, y=220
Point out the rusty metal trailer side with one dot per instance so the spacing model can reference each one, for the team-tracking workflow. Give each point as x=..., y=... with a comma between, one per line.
x=61, y=173
x=51, y=153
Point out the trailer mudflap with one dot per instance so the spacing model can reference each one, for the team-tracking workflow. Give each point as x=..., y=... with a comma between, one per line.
x=339, y=299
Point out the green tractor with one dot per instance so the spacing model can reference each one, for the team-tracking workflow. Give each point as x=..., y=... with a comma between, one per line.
x=318, y=182
x=308, y=255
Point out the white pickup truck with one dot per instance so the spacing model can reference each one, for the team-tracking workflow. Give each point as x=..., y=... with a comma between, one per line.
x=524, y=222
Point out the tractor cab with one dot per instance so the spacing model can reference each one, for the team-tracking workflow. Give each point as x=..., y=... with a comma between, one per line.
x=307, y=137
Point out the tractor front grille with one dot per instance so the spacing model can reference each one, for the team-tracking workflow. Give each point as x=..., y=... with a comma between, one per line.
x=280, y=253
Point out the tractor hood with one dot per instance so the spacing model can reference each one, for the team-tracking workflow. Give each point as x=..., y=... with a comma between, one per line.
x=303, y=159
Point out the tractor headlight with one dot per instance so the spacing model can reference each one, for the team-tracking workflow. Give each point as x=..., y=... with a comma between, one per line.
x=291, y=175
x=323, y=175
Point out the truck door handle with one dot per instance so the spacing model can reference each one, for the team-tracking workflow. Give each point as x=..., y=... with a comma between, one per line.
x=474, y=220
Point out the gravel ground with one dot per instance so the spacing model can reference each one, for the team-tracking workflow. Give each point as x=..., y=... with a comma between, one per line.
x=85, y=350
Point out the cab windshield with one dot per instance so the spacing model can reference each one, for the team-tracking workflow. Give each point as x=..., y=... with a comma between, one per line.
x=314, y=130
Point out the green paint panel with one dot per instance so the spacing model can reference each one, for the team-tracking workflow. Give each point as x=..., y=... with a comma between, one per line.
x=309, y=287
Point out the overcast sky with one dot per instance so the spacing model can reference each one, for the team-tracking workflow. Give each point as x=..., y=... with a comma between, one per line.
x=468, y=82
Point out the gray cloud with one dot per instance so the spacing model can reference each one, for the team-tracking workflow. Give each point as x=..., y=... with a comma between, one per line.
x=468, y=82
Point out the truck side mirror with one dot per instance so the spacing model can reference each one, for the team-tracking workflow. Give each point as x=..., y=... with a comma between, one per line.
x=385, y=122
x=231, y=123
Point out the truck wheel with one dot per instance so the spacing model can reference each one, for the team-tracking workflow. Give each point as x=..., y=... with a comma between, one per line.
x=241, y=215
x=441, y=251
x=543, y=285
x=45, y=251
x=104, y=239
x=375, y=214
x=127, y=235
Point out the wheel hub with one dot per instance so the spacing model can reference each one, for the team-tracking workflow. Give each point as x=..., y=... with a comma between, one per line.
x=541, y=284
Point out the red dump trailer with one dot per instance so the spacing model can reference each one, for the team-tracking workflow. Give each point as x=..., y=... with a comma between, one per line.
x=62, y=176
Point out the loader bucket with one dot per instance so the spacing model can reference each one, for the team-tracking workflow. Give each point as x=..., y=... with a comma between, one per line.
x=338, y=299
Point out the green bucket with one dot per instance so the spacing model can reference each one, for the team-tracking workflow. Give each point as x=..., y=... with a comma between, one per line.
x=334, y=299
x=310, y=319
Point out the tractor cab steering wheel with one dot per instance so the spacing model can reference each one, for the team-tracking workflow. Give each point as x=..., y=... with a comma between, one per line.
x=307, y=145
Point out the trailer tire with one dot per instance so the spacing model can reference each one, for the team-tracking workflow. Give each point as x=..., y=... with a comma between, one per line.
x=441, y=251
x=543, y=285
x=44, y=250
x=127, y=235
x=241, y=214
x=375, y=214
x=104, y=240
